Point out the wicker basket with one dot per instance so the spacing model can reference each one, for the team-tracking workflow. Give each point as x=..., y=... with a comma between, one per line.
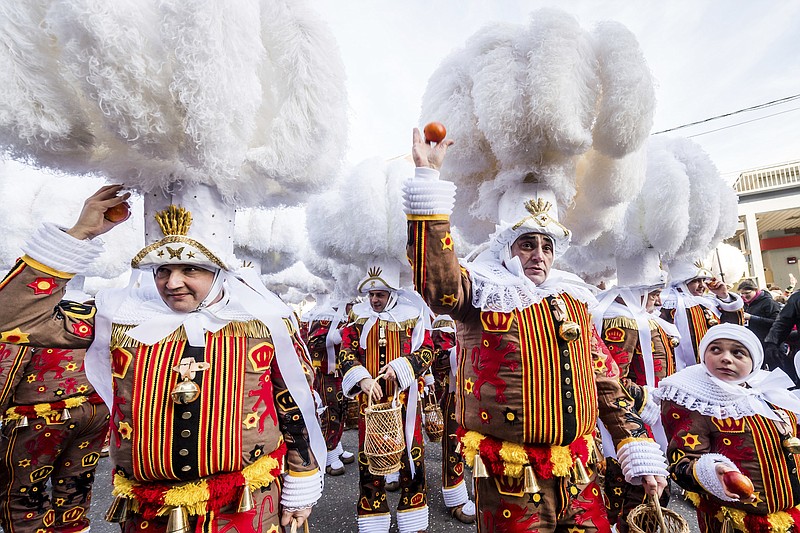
x=434, y=420
x=650, y=517
x=384, y=444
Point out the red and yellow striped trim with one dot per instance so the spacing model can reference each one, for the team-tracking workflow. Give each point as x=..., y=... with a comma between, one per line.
x=41, y=410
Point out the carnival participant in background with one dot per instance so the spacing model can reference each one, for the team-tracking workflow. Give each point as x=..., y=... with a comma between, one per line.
x=760, y=311
x=181, y=352
x=686, y=304
x=535, y=376
x=727, y=415
x=389, y=335
x=54, y=428
x=454, y=487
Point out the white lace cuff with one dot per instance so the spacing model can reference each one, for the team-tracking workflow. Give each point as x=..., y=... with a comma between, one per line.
x=734, y=305
x=651, y=412
x=639, y=458
x=301, y=492
x=455, y=496
x=54, y=247
x=351, y=380
x=425, y=194
x=412, y=520
x=404, y=372
x=429, y=379
x=705, y=472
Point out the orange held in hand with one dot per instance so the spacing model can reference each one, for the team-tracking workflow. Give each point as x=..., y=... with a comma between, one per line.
x=117, y=213
x=738, y=484
x=435, y=132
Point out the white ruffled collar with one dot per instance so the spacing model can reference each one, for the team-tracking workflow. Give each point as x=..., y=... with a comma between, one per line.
x=496, y=288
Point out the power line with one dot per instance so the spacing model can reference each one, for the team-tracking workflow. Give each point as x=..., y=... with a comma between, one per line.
x=745, y=122
x=753, y=108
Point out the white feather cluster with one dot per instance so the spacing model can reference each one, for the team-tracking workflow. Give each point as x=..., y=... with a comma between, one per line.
x=248, y=96
x=295, y=282
x=534, y=101
x=274, y=236
x=728, y=264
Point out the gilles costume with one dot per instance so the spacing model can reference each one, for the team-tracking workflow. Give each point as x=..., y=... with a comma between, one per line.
x=693, y=315
x=748, y=426
x=209, y=409
x=454, y=488
x=54, y=426
x=399, y=336
x=324, y=341
x=533, y=376
x=642, y=345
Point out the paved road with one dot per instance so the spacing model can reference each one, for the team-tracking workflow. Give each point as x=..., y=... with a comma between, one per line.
x=335, y=513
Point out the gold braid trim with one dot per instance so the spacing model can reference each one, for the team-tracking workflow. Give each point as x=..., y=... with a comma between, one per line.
x=392, y=326
x=252, y=328
x=171, y=239
x=46, y=409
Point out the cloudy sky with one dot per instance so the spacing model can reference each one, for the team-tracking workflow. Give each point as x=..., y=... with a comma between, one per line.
x=708, y=58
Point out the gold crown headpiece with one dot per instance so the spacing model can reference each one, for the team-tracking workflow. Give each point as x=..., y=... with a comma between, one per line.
x=174, y=220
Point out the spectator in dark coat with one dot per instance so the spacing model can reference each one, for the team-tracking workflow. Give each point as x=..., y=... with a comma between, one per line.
x=788, y=320
x=760, y=309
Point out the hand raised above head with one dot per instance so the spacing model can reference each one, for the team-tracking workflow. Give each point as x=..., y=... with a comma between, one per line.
x=92, y=222
x=426, y=155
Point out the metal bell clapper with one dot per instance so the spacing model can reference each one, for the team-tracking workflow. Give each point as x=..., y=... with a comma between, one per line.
x=531, y=483
x=579, y=474
x=246, y=501
x=178, y=520
x=186, y=391
x=478, y=468
x=382, y=336
x=119, y=510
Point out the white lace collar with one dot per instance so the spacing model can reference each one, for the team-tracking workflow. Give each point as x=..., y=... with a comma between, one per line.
x=495, y=288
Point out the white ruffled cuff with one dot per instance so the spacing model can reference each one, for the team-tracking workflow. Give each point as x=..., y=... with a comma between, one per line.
x=374, y=523
x=412, y=520
x=404, y=372
x=734, y=305
x=301, y=492
x=425, y=194
x=428, y=379
x=651, y=412
x=351, y=380
x=639, y=458
x=705, y=472
x=455, y=496
x=54, y=247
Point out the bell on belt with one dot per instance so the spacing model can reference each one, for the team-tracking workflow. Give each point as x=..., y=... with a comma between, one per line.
x=569, y=330
x=674, y=341
x=185, y=392
x=579, y=474
x=246, y=501
x=710, y=318
x=118, y=511
x=65, y=414
x=478, y=468
x=178, y=520
x=23, y=422
x=792, y=444
x=531, y=485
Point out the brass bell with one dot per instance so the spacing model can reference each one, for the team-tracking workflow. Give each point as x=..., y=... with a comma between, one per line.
x=246, y=501
x=711, y=319
x=118, y=511
x=569, y=330
x=178, y=520
x=478, y=468
x=531, y=484
x=674, y=341
x=792, y=444
x=65, y=414
x=23, y=422
x=185, y=392
x=579, y=474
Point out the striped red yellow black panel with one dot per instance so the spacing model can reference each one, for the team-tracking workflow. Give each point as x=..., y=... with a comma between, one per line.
x=219, y=443
x=580, y=351
x=152, y=410
x=774, y=470
x=14, y=272
x=669, y=353
x=418, y=261
x=541, y=395
x=8, y=385
x=698, y=327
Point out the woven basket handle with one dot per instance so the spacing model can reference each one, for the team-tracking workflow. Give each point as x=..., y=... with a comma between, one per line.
x=659, y=514
x=374, y=384
x=294, y=526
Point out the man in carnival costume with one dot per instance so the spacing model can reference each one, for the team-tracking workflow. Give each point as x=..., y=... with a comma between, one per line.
x=535, y=376
x=389, y=334
x=687, y=305
x=207, y=382
x=54, y=427
x=642, y=345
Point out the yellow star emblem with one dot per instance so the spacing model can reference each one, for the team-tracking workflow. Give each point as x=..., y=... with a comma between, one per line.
x=25, y=463
x=448, y=299
x=125, y=430
x=60, y=501
x=15, y=336
x=274, y=529
x=31, y=378
x=447, y=241
x=250, y=420
x=575, y=530
x=691, y=441
x=757, y=500
x=469, y=385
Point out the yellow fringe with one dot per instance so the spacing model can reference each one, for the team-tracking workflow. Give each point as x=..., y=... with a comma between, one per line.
x=392, y=326
x=780, y=521
x=44, y=409
x=253, y=329
x=561, y=459
x=515, y=457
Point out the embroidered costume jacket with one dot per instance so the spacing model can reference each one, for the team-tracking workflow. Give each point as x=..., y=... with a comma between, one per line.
x=243, y=412
x=518, y=380
x=317, y=334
